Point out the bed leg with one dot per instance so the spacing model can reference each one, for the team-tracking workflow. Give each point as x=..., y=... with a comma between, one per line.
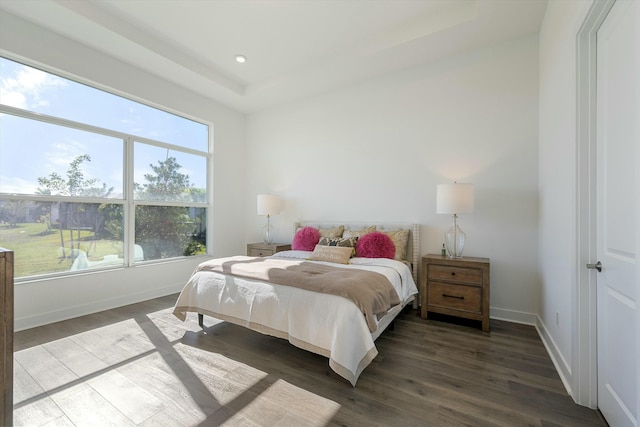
x=392, y=326
x=201, y=320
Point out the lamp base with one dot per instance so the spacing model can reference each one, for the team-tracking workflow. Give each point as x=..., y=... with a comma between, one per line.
x=268, y=238
x=454, y=240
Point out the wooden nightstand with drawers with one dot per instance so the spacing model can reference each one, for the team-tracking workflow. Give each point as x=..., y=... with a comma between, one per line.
x=264, y=249
x=456, y=287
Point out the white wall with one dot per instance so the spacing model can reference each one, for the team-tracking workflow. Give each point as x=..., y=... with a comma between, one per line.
x=42, y=302
x=558, y=251
x=376, y=152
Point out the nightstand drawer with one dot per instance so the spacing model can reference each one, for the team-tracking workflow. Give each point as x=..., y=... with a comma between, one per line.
x=455, y=274
x=456, y=297
x=260, y=252
x=266, y=249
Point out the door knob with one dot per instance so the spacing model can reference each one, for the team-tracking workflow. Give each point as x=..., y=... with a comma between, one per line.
x=597, y=266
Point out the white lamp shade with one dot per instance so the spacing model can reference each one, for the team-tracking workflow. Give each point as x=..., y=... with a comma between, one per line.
x=455, y=198
x=268, y=204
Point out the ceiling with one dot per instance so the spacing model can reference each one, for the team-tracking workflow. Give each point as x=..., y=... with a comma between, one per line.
x=294, y=48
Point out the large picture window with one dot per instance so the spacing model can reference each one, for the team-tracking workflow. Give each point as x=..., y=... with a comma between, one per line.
x=89, y=179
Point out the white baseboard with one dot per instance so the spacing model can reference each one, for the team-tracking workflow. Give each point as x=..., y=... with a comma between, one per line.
x=513, y=316
x=66, y=313
x=563, y=368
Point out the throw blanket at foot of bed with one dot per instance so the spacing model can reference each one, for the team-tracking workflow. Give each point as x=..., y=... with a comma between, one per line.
x=371, y=292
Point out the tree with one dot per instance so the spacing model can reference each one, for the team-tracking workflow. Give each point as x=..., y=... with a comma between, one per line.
x=166, y=183
x=12, y=211
x=164, y=231
x=75, y=185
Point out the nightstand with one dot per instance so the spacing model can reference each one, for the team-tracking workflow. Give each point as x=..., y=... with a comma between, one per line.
x=456, y=287
x=264, y=249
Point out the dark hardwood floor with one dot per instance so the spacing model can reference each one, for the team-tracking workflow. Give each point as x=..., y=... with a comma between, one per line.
x=139, y=365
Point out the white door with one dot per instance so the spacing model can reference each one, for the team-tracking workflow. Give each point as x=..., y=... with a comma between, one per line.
x=618, y=111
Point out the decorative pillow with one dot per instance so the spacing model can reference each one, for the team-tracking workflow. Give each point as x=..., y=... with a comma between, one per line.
x=375, y=245
x=305, y=239
x=336, y=254
x=332, y=232
x=358, y=233
x=400, y=239
x=349, y=242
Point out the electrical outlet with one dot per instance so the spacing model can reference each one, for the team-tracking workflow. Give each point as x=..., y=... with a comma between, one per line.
x=557, y=318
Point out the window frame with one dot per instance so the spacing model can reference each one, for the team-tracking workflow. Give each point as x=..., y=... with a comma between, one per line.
x=128, y=200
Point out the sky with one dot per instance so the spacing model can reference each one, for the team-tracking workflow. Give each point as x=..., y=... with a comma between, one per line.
x=30, y=149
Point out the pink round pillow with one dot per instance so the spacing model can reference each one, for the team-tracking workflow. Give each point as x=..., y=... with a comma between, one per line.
x=375, y=245
x=306, y=239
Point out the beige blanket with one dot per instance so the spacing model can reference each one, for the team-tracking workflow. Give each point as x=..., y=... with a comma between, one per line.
x=371, y=292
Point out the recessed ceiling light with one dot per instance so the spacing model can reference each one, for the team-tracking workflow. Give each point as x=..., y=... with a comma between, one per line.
x=241, y=59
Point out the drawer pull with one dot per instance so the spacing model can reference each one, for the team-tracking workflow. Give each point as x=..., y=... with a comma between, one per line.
x=452, y=296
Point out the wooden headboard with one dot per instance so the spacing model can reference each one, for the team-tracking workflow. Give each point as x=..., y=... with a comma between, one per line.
x=413, y=243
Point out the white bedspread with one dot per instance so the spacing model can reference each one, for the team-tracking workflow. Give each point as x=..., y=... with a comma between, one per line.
x=324, y=324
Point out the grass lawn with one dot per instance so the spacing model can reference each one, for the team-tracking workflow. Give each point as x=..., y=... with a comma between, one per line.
x=38, y=251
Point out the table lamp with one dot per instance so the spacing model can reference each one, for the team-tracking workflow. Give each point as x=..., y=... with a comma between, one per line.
x=454, y=199
x=268, y=205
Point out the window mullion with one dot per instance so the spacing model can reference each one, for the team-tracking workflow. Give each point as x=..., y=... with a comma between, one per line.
x=130, y=211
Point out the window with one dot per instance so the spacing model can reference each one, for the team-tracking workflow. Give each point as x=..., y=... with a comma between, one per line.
x=89, y=179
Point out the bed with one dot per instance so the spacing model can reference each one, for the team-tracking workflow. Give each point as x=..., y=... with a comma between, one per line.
x=246, y=291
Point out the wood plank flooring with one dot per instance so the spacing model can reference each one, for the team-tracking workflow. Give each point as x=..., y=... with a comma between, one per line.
x=139, y=365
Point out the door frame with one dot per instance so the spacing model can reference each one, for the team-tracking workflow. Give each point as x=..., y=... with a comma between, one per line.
x=584, y=376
